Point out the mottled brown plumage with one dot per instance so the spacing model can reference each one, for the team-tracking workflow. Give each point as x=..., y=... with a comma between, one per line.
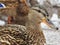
x=13, y=35
x=29, y=34
x=22, y=8
x=17, y=14
x=21, y=13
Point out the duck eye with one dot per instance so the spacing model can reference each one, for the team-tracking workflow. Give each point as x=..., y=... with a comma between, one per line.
x=38, y=10
x=47, y=15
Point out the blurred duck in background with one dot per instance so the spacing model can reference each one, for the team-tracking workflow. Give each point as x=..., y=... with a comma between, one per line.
x=2, y=18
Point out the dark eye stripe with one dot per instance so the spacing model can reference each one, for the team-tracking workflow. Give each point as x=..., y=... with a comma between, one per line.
x=41, y=12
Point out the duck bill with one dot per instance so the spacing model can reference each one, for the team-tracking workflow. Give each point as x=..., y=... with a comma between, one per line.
x=48, y=23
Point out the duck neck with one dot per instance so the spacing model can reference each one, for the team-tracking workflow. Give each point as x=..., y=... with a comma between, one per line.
x=32, y=25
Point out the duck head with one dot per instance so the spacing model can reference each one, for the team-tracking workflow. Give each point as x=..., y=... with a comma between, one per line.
x=41, y=18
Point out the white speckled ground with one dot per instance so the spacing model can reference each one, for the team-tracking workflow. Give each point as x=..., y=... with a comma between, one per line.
x=52, y=36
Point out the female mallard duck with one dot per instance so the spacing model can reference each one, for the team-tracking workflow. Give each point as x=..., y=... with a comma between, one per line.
x=30, y=34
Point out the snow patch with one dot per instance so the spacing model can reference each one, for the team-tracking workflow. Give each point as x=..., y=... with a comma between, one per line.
x=55, y=20
x=2, y=23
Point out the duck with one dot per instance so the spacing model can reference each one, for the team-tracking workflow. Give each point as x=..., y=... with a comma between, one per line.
x=6, y=18
x=2, y=17
x=21, y=13
x=28, y=34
